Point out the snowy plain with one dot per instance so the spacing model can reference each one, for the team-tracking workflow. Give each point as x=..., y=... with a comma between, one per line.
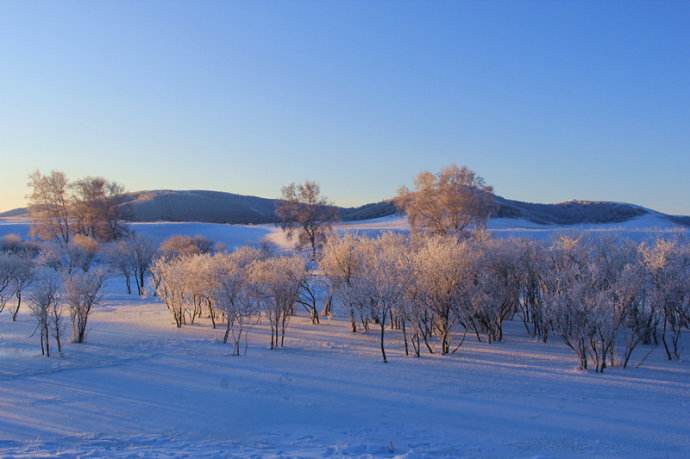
x=142, y=388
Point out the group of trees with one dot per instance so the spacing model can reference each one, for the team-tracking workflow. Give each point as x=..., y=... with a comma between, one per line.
x=52, y=280
x=60, y=208
x=235, y=288
x=593, y=293
x=450, y=278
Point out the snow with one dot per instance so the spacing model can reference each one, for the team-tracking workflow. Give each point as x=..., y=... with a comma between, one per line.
x=140, y=387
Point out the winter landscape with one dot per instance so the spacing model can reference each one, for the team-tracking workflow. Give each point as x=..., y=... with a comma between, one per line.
x=344, y=230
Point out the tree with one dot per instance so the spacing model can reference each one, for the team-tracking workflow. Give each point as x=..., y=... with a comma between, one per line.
x=275, y=283
x=81, y=252
x=7, y=269
x=82, y=293
x=668, y=267
x=46, y=309
x=304, y=212
x=448, y=203
x=443, y=268
x=132, y=257
x=380, y=285
x=94, y=205
x=231, y=294
x=22, y=275
x=171, y=286
x=49, y=207
x=341, y=263
x=495, y=286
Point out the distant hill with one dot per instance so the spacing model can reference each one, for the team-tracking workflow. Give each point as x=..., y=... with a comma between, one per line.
x=569, y=213
x=221, y=207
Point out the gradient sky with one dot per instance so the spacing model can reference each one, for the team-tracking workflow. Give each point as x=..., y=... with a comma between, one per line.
x=548, y=100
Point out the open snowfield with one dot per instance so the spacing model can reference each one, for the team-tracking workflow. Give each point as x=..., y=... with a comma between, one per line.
x=142, y=388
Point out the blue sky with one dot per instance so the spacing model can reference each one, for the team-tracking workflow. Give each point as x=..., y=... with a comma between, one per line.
x=547, y=100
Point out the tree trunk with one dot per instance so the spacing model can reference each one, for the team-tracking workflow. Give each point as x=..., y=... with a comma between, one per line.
x=19, y=303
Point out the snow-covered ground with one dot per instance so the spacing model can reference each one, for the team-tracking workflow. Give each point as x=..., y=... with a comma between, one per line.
x=142, y=388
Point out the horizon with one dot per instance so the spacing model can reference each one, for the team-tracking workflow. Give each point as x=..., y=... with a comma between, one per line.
x=549, y=102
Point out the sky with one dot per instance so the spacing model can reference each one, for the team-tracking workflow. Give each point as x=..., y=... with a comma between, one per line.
x=547, y=100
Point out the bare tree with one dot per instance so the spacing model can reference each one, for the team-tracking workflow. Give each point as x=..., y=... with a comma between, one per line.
x=448, y=203
x=305, y=213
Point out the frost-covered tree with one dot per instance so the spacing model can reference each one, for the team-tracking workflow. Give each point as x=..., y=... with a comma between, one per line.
x=341, y=263
x=132, y=257
x=531, y=271
x=495, y=287
x=275, y=283
x=668, y=267
x=443, y=269
x=44, y=301
x=231, y=293
x=198, y=284
x=380, y=285
x=95, y=210
x=22, y=275
x=7, y=269
x=171, y=286
x=447, y=204
x=119, y=259
x=82, y=292
x=306, y=214
x=49, y=207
